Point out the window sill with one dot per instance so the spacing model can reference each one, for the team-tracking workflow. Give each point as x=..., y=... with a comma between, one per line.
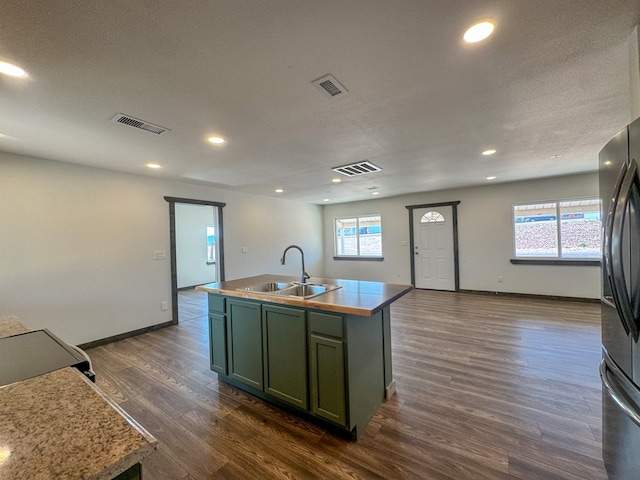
x=578, y=262
x=366, y=259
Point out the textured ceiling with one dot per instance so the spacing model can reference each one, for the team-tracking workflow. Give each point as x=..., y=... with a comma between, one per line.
x=553, y=80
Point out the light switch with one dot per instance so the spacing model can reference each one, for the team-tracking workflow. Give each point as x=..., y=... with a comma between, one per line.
x=245, y=250
x=159, y=254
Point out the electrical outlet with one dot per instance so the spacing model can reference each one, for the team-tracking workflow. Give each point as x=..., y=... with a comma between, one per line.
x=499, y=278
x=164, y=306
x=245, y=250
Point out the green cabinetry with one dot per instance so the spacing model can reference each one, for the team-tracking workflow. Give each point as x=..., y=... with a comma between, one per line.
x=262, y=346
x=244, y=341
x=331, y=367
x=284, y=344
x=133, y=473
x=327, y=367
x=218, y=334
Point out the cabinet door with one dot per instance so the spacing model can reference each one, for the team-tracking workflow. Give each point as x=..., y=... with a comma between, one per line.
x=328, y=395
x=218, y=342
x=285, y=354
x=244, y=340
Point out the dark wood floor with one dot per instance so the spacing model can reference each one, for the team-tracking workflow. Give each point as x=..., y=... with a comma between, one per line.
x=489, y=387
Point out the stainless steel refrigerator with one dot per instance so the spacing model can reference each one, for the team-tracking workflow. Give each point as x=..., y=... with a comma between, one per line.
x=620, y=368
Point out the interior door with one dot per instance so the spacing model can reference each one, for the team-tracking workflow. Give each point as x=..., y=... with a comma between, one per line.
x=433, y=257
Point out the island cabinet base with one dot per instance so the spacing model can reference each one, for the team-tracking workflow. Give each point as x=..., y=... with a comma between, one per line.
x=133, y=473
x=332, y=368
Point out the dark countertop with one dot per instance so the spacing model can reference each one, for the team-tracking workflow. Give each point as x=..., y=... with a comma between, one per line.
x=355, y=297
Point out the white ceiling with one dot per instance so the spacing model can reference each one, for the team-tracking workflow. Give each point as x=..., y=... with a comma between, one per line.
x=553, y=80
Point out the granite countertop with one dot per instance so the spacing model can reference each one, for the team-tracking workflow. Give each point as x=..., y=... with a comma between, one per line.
x=11, y=325
x=355, y=297
x=61, y=426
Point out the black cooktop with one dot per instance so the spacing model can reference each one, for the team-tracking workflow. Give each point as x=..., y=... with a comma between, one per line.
x=30, y=354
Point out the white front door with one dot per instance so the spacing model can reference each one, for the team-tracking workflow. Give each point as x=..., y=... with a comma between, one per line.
x=433, y=248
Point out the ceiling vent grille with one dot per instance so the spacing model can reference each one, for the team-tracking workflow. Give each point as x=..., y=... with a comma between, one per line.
x=361, y=168
x=330, y=86
x=141, y=124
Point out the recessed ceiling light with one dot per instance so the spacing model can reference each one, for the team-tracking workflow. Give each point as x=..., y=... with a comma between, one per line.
x=153, y=165
x=478, y=31
x=491, y=177
x=216, y=140
x=12, y=70
x=555, y=156
x=279, y=190
x=488, y=152
x=375, y=193
x=326, y=200
x=336, y=180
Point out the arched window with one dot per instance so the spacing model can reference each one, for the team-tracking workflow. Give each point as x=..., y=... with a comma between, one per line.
x=432, y=216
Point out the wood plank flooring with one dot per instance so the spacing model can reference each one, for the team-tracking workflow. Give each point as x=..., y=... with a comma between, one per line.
x=488, y=387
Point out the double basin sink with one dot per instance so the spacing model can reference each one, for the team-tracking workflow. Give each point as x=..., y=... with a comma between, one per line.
x=291, y=289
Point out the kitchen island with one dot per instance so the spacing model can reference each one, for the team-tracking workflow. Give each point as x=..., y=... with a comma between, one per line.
x=60, y=425
x=326, y=357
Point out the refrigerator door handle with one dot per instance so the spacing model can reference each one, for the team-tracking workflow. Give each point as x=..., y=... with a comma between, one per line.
x=615, y=250
x=608, y=230
x=617, y=393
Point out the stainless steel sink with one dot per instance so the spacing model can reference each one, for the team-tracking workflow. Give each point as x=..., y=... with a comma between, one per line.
x=291, y=289
x=305, y=290
x=267, y=287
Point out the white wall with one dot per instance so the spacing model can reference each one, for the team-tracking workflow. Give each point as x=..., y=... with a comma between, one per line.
x=191, y=244
x=268, y=226
x=634, y=73
x=76, y=248
x=485, y=238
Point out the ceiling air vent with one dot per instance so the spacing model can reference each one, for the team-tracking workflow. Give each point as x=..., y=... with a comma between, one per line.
x=361, y=168
x=137, y=123
x=330, y=86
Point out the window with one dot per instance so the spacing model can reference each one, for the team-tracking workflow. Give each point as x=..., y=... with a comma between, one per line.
x=359, y=236
x=538, y=234
x=432, y=217
x=211, y=245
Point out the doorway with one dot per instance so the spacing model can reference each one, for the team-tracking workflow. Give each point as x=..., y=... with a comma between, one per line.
x=434, y=246
x=197, y=246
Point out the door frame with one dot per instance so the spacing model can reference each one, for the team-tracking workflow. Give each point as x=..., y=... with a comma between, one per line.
x=456, y=263
x=172, y=234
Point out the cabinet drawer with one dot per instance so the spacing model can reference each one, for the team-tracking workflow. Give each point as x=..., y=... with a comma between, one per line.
x=216, y=303
x=325, y=324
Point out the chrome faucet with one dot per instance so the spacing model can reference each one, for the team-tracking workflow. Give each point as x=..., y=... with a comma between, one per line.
x=305, y=275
